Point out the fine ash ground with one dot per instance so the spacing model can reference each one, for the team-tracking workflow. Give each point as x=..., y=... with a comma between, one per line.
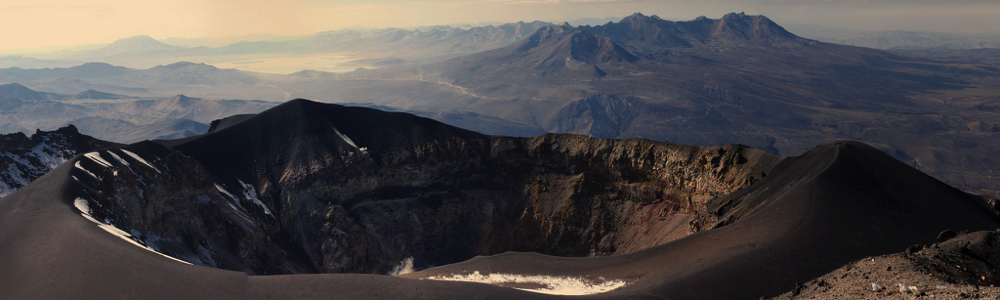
x=963, y=267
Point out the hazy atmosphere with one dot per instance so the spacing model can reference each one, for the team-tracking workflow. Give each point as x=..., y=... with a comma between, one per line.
x=61, y=23
x=394, y=149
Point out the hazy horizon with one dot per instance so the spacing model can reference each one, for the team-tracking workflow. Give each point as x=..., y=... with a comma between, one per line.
x=57, y=24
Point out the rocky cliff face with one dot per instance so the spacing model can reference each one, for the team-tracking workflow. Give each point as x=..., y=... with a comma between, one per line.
x=309, y=188
x=25, y=158
x=343, y=190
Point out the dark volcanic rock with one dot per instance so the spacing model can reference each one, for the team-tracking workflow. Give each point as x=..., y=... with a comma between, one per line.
x=972, y=259
x=347, y=189
x=219, y=124
x=812, y=214
x=308, y=187
x=964, y=267
x=25, y=158
x=171, y=203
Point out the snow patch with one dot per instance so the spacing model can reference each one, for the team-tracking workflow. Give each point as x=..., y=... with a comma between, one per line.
x=206, y=257
x=202, y=258
x=139, y=159
x=14, y=180
x=404, y=267
x=124, y=162
x=344, y=137
x=251, y=193
x=224, y=191
x=240, y=213
x=82, y=205
x=96, y=157
x=554, y=285
x=79, y=166
x=50, y=155
x=33, y=163
x=119, y=159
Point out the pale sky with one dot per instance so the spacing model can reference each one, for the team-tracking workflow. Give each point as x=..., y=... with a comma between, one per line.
x=47, y=23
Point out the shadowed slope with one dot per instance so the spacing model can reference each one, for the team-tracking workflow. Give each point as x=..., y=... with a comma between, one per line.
x=219, y=124
x=837, y=203
x=359, y=190
x=955, y=267
x=25, y=158
x=48, y=251
x=300, y=137
x=310, y=187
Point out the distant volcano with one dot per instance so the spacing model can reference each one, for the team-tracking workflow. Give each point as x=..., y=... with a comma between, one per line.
x=92, y=94
x=135, y=44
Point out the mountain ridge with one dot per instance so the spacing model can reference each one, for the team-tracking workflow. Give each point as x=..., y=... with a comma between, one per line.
x=721, y=81
x=651, y=31
x=138, y=43
x=94, y=94
x=744, y=267
x=25, y=158
x=370, y=197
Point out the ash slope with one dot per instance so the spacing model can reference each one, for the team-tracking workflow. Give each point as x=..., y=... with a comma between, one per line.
x=392, y=172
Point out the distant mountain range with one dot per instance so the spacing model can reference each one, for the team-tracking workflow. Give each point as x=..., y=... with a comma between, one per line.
x=97, y=95
x=379, y=47
x=114, y=117
x=127, y=132
x=912, y=40
x=17, y=61
x=127, y=119
x=364, y=47
x=159, y=81
x=135, y=44
x=738, y=79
